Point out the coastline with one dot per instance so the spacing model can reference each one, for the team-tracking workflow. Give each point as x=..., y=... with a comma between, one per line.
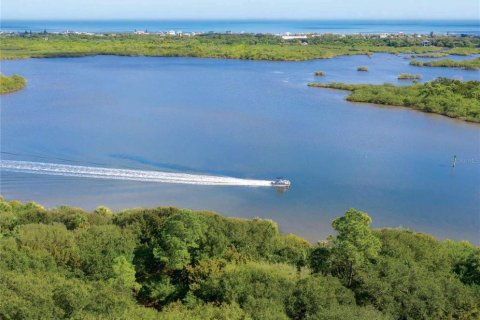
x=461, y=107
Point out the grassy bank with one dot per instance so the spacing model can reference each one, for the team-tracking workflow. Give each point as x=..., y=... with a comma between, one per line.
x=235, y=46
x=452, y=98
x=11, y=83
x=431, y=55
x=472, y=64
x=168, y=263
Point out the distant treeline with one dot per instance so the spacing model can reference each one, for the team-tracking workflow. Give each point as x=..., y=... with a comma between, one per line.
x=231, y=46
x=452, y=98
x=11, y=83
x=168, y=263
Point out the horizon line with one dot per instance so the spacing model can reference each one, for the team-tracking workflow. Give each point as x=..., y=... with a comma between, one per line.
x=245, y=19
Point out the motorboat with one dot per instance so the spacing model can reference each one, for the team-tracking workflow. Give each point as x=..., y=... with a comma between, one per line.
x=282, y=183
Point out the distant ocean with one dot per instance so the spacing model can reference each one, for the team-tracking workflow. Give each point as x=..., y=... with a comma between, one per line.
x=471, y=27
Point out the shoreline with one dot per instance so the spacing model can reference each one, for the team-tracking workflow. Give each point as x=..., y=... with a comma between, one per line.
x=460, y=108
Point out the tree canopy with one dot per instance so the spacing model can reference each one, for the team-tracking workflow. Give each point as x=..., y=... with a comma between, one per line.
x=169, y=263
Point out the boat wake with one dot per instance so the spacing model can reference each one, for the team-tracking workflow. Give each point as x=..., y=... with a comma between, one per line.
x=126, y=174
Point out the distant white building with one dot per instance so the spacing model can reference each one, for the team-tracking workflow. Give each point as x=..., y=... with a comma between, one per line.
x=294, y=37
x=426, y=43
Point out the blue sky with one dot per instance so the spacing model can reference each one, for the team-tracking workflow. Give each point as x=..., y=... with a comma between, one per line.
x=240, y=9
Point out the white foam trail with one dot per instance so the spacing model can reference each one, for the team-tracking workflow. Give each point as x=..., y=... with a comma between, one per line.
x=125, y=174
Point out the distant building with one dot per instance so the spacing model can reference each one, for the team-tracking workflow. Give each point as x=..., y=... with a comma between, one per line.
x=426, y=43
x=289, y=37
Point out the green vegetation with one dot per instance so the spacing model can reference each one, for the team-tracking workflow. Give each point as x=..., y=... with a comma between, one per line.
x=464, y=51
x=362, y=69
x=408, y=76
x=11, y=84
x=473, y=64
x=452, y=98
x=168, y=263
x=231, y=46
x=319, y=74
x=433, y=55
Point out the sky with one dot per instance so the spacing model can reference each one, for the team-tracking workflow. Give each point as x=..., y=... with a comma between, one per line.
x=239, y=9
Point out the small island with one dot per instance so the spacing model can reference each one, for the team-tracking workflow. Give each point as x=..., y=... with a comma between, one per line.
x=9, y=84
x=409, y=76
x=473, y=64
x=431, y=55
x=448, y=97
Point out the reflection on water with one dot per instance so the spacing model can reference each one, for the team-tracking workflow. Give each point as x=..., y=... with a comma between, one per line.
x=245, y=119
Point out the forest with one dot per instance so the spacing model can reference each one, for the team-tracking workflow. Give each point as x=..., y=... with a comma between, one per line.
x=10, y=84
x=229, y=46
x=452, y=98
x=169, y=263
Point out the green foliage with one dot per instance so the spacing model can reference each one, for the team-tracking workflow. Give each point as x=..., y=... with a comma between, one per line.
x=99, y=248
x=178, y=311
x=354, y=246
x=320, y=259
x=343, y=312
x=103, y=211
x=317, y=294
x=468, y=269
x=11, y=84
x=178, y=240
x=473, y=64
x=54, y=239
x=452, y=98
x=433, y=54
x=167, y=263
x=413, y=279
x=464, y=51
x=124, y=274
x=257, y=287
x=231, y=46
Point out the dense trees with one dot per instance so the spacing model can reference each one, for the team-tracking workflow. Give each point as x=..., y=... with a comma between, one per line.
x=167, y=263
x=452, y=98
x=231, y=46
x=11, y=84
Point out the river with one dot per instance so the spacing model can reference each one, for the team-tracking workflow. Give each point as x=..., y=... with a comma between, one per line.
x=243, y=119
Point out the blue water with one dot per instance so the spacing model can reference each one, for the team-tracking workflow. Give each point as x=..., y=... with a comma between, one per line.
x=246, y=119
x=251, y=26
